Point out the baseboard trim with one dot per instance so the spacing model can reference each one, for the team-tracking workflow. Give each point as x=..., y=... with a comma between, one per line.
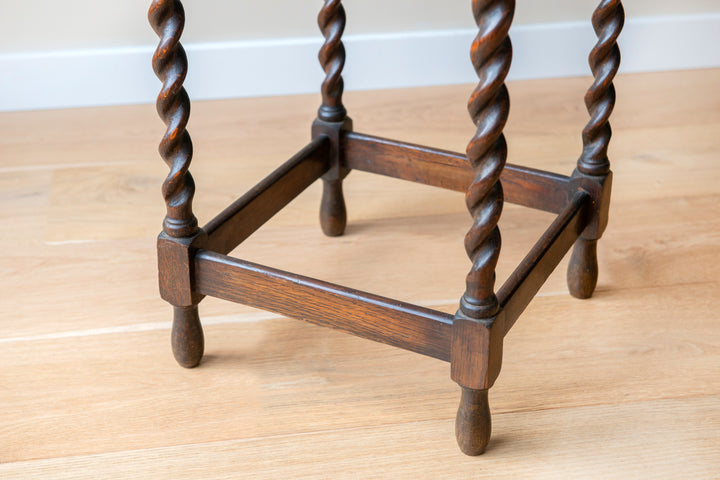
x=289, y=66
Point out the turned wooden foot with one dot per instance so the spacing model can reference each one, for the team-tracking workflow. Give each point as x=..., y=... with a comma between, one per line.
x=188, y=343
x=582, y=272
x=472, y=424
x=333, y=216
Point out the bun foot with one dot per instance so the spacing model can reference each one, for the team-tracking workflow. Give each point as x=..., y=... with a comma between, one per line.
x=472, y=424
x=582, y=272
x=188, y=342
x=333, y=216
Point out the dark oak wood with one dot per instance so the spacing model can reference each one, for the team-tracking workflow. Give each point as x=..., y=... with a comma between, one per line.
x=331, y=21
x=607, y=20
x=530, y=187
x=473, y=424
x=593, y=167
x=582, y=273
x=333, y=213
x=167, y=18
x=489, y=106
x=244, y=216
x=384, y=320
x=476, y=351
x=523, y=284
x=192, y=261
x=332, y=117
x=175, y=264
x=187, y=339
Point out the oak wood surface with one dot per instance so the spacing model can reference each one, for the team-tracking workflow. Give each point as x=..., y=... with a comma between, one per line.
x=620, y=386
x=430, y=166
x=370, y=316
x=363, y=453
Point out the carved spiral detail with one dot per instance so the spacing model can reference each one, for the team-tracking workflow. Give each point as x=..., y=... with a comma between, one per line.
x=167, y=18
x=604, y=60
x=489, y=105
x=332, y=58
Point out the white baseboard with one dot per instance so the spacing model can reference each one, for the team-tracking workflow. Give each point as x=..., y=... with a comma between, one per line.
x=289, y=66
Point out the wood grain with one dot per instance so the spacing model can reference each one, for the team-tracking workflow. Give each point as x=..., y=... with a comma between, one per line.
x=123, y=391
x=430, y=166
x=565, y=439
x=380, y=319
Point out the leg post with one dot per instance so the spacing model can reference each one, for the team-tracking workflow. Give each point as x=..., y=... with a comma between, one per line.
x=593, y=167
x=476, y=352
x=181, y=234
x=332, y=117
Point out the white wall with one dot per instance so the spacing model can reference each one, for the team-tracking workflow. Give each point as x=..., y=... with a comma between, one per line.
x=41, y=25
x=88, y=42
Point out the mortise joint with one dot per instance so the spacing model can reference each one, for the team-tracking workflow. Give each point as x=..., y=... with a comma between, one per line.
x=334, y=131
x=599, y=188
x=476, y=351
x=176, y=259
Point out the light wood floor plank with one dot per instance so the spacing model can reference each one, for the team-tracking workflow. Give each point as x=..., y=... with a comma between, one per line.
x=647, y=244
x=95, y=394
x=588, y=442
x=620, y=386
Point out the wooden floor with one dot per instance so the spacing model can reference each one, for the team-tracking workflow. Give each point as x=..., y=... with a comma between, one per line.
x=626, y=385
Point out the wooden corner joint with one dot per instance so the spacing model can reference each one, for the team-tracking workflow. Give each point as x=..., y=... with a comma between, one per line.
x=334, y=131
x=476, y=350
x=599, y=188
x=176, y=260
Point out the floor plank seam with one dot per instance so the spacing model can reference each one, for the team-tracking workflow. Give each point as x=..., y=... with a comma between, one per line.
x=607, y=404
x=239, y=318
x=359, y=428
x=61, y=166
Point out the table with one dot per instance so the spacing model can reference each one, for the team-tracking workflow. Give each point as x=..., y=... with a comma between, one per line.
x=193, y=262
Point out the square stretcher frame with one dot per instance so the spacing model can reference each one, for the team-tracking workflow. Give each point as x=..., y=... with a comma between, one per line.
x=193, y=262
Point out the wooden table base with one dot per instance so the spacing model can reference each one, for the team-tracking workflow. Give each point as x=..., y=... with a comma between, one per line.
x=193, y=261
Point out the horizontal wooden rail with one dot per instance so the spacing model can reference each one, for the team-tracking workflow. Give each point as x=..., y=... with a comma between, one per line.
x=248, y=213
x=522, y=285
x=383, y=320
x=430, y=166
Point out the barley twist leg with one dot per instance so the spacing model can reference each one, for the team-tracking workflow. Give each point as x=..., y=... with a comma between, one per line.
x=167, y=18
x=604, y=62
x=332, y=116
x=489, y=106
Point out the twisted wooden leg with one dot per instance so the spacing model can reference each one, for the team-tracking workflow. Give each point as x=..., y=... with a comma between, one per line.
x=332, y=117
x=593, y=167
x=476, y=353
x=180, y=228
